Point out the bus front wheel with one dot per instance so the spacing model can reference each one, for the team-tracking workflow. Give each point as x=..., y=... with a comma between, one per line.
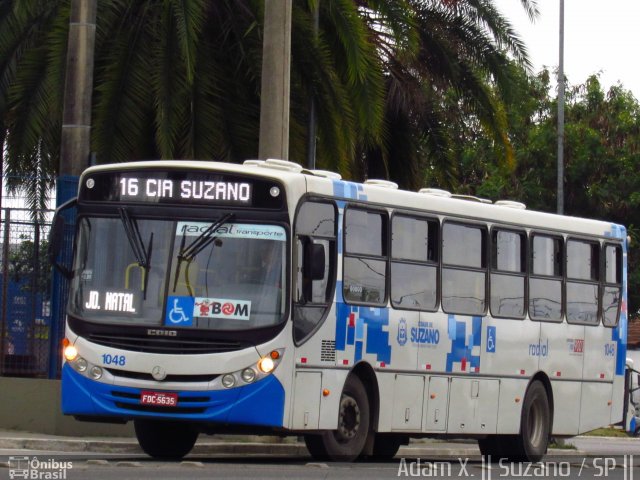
x=347, y=441
x=164, y=439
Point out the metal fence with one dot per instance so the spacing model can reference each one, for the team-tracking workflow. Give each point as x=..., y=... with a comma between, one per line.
x=25, y=293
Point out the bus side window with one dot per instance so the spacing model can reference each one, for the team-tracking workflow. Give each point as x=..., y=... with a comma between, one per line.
x=612, y=285
x=583, y=277
x=545, y=281
x=315, y=260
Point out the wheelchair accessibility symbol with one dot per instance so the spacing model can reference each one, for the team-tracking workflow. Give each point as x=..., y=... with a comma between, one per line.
x=491, y=339
x=179, y=311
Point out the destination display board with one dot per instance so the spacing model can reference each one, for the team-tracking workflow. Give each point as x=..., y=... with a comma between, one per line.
x=175, y=187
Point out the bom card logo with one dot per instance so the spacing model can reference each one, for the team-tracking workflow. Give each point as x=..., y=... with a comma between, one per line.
x=222, y=308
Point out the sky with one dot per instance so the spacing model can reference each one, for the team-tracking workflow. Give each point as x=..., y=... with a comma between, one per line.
x=601, y=36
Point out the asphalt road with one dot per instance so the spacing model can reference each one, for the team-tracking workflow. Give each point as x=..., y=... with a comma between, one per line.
x=598, y=458
x=119, y=467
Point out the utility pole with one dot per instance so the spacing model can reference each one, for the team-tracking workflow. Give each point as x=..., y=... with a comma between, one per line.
x=276, y=66
x=75, y=145
x=311, y=135
x=560, y=195
x=76, y=117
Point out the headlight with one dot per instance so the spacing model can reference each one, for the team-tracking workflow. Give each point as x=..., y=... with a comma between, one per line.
x=95, y=372
x=228, y=380
x=266, y=365
x=248, y=375
x=70, y=353
x=259, y=370
x=80, y=364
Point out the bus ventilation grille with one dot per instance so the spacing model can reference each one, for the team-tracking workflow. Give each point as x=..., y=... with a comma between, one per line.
x=169, y=378
x=166, y=345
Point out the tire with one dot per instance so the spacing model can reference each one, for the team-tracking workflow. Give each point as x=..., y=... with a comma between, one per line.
x=347, y=442
x=535, y=425
x=164, y=439
x=530, y=444
x=385, y=447
x=315, y=446
x=492, y=447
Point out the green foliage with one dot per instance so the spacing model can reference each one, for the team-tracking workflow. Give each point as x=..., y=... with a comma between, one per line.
x=602, y=154
x=180, y=79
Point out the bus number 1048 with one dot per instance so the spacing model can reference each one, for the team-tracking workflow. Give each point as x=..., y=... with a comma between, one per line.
x=108, y=359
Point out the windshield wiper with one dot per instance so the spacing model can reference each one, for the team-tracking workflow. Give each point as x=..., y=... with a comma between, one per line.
x=194, y=248
x=142, y=254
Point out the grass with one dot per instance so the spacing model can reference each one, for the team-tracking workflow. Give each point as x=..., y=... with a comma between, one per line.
x=562, y=444
x=607, y=432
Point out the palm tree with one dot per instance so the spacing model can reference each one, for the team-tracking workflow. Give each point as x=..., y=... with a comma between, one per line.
x=461, y=73
x=181, y=79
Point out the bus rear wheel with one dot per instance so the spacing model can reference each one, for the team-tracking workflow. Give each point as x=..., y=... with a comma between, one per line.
x=347, y=441
x=493, y=447
x=535, y=425
x=164, y=439
x=530, y=444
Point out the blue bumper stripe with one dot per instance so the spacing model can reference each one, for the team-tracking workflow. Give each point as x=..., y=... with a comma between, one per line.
x=261, y=403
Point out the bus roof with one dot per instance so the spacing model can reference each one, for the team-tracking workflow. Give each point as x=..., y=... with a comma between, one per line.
x=383, y=193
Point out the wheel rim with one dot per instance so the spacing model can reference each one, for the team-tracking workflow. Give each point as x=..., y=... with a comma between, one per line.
x=534, y=424
x=349, y=420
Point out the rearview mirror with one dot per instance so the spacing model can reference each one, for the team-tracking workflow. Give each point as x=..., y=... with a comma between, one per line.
x=57, y=238
x=314, y=261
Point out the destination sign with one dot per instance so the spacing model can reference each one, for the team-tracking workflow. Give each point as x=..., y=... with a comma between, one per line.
x=180, y=187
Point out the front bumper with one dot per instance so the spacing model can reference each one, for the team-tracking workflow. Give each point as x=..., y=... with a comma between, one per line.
x=260, y=403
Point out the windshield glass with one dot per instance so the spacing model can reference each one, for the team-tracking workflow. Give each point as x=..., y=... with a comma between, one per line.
x=179, y=274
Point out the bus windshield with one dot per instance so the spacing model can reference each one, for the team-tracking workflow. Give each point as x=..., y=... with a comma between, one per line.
x=217, y=275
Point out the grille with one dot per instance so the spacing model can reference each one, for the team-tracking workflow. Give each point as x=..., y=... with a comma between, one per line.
x=147, y=408
x=147, y=344
x=169, y=378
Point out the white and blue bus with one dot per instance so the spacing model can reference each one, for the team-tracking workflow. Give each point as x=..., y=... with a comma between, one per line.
x=264, y=298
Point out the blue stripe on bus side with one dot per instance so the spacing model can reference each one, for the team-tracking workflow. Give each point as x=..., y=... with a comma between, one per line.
x=373, y=320
x=462, y=344
x=260, y=403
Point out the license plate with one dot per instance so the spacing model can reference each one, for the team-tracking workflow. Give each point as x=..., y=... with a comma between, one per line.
x=159, y=399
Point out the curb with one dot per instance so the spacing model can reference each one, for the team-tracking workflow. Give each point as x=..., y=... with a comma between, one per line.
x=236, y=448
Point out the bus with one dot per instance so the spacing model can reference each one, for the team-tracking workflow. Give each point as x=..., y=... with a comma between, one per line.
x=263, y=298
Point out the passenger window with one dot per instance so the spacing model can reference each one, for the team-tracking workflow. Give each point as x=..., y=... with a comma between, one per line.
x=612, y=289
x=365, y=260
x=363, y=232
x=414, y=270
x=464, y=269
x=545, y=282
x=508, y=274
x=583, y=274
